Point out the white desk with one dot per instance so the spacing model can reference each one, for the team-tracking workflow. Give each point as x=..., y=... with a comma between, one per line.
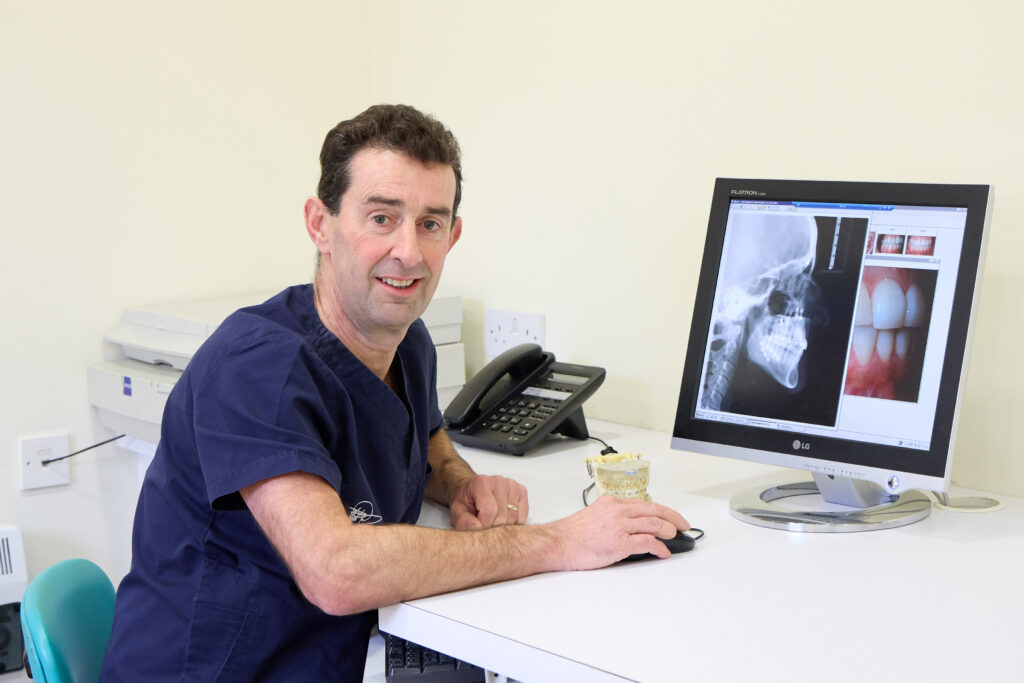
x=939, y=600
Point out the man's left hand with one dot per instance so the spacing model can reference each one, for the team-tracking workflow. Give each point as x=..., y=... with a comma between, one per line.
x=486, y=501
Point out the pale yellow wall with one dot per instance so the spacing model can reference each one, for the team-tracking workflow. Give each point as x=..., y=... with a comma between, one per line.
x=154, y=152
x=593, y=133
x=148, y=152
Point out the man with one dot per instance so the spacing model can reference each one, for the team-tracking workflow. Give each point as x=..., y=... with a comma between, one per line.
x=298, y=446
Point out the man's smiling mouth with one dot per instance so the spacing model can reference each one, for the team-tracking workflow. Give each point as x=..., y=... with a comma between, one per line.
x=400, y=284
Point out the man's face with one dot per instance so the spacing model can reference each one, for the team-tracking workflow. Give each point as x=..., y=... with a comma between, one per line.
x=388, y=242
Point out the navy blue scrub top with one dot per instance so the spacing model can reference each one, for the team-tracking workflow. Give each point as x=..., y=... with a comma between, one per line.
x=272, y=391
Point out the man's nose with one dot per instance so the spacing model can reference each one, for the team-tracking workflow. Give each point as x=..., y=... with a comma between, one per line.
x=406, y=246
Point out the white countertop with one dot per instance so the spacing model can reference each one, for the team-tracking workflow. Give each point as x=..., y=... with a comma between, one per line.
x=937, y=600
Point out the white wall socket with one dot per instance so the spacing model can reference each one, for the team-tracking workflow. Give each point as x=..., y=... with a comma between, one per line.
x=505, y=329
x=32, y=451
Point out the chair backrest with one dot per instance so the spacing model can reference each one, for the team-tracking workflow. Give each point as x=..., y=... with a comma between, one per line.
x=66, y=615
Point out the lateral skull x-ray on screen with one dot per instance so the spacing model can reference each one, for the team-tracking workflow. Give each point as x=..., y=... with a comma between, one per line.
x=783, y=311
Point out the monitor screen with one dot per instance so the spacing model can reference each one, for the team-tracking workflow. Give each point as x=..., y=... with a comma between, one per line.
x=831, y=327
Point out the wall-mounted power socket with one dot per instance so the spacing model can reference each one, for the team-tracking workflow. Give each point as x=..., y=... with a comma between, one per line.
x=505, y=329
x=33, y=451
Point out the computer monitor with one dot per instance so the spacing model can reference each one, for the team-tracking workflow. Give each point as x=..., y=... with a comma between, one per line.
x=830, y=334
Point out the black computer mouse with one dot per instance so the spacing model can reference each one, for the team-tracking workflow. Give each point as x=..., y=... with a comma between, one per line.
x=680, y=543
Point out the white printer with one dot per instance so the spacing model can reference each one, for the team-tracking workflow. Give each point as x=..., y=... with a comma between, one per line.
x=157, y=342
x=13, y=582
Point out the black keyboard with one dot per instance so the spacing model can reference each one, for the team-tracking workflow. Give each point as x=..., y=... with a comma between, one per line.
x=406, y=661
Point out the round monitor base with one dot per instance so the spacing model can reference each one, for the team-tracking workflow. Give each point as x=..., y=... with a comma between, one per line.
x=760, y=507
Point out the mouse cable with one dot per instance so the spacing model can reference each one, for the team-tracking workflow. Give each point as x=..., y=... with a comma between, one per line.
x=87, y=448
x=607, y=449
x=587, y=490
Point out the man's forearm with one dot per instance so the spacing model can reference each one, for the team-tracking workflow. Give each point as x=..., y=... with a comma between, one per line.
x=346, y=568
x=408, y=562
x=450, y=471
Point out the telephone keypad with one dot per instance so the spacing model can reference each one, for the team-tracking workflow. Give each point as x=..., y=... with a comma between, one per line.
x=521, y=414
x=526, y=414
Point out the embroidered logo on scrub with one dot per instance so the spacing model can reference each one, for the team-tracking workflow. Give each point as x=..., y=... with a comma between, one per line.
x=362, y=513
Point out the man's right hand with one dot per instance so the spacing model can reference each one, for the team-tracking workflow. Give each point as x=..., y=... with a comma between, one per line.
x=611, y=529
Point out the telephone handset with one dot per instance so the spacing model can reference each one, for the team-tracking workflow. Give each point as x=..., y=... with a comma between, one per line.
x=520, y=398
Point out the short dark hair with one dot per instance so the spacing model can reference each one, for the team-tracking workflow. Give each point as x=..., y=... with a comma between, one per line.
x=395, y=127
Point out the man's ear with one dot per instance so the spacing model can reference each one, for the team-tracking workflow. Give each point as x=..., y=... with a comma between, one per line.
x=316, y=214
x=456, y=232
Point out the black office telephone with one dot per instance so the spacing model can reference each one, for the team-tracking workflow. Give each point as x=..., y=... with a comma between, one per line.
x=520, y=398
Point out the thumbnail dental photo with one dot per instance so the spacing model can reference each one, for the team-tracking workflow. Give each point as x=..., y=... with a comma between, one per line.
x=892, y=243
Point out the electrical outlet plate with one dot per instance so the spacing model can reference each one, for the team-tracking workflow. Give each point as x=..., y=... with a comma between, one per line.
x=32, y=451
x=505, y=329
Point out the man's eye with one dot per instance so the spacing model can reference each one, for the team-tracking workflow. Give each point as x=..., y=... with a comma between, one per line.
x=432, y=225
x=380, y=219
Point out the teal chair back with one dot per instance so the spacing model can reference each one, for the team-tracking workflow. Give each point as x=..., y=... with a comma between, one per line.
x=66, y=615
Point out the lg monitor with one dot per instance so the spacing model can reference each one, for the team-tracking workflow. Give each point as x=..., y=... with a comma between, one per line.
x=830, y=334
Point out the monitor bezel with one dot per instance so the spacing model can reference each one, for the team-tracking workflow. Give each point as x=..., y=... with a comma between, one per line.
x=893, y=467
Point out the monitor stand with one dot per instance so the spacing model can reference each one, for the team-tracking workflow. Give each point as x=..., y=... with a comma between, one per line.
x=849, y=505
